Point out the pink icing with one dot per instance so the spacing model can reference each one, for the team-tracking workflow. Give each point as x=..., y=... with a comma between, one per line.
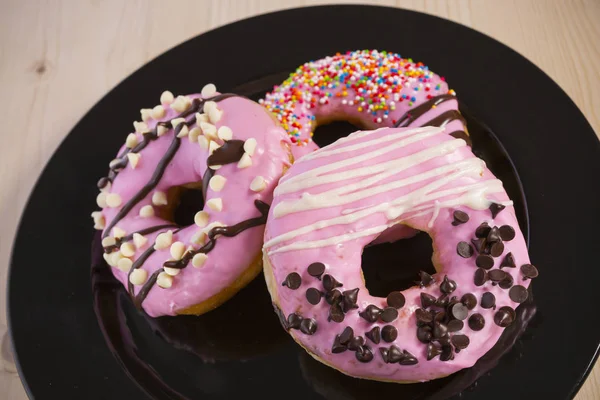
x=231, y=256
x=343, y=258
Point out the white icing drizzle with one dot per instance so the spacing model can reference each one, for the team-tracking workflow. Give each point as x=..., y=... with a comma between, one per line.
x=430, y=198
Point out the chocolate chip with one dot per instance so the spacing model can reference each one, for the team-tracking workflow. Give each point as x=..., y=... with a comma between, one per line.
x=488, y=300
x=464, y=249
x=447, y=286
x=440, y=316
x=484, y=261
x=495, y=208
x=469, y=300
x=280, y=316
x=427, y=300
x=444, y=341
x=507, y=233
x=433, y=350
x=308, y=326
x=333, y=297
x=439, y=330
x=356, y=342
x=518, y=293
x=483, y=230
x=508, y=261
x=460, y=217
x=330, y=283
x=396, y=300
x=313, y=296
x=476, y=322
x=479, y=245
x=481, y=277
x=455, y=325
x=497, y=249
x=460, y=311
x=389, y=333
x=493, y=235
x=371, y=313
x=293, y=321
x=346, y=335
x=505, y=316
x=423, y=316
x=425, y=279
x=408, y=359
x=460, y=341
x=447, y=353
x=389, y=314
x=374, y=335
x=337, y=346
x=442, y=301
x=384, y=354
x=424, y=334
x=497, y=275
x=293, y=281
x=394, y=354
x=316, y=269
x=336, y=314
x=529, y=271
x=507, y=282
x=349, y=299
x=364, y=354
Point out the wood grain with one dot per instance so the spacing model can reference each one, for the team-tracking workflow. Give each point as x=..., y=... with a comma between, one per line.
x=57, y=58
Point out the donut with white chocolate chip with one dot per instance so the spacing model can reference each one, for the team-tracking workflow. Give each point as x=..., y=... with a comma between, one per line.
x=366, y=188
x=233, y=150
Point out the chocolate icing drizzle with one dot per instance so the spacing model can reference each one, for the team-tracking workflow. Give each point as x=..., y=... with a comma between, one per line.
x=230, y=152
x=151, y=229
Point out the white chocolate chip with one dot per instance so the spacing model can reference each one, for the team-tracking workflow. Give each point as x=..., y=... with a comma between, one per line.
x=199, y=259
x=101, y=200
x=215, y=167
x=172, y=271
x=177, y=121
x=177, y=250
x=134, y=159
x=163, y=240
x=166, y=97
x=212, y=146
x=113, y=200
x=147, y=211
x=158, y=112
x=215, y=204
x=99, y=223
x=258, y=184
x=203, y=142
x=131, y=141
x=209, y=130
x=161, y=130
x=199, y=238
x=250, y=146
x=96, y=214
x=201, y=218
x=164, y=280
x=140, y=127
x=118, y=232
x=225, y=133
x=245, y=161
x=214, y=115
x=124, y=264
x=183, y=131
x=139, y=241
x=108, y=241
x=194, y=133
x=159, y=198
x=208, y=90
x=146, y=114
x=181, y=104
x=113, y=258
x=209, y=105
x=127, y=249
x=201, y=118
x=138, y=276
x=217, y=183
x=107, y=258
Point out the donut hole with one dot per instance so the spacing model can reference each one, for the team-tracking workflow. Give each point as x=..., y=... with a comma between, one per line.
x=189, y=201
x=328, y=132
x=389, y=266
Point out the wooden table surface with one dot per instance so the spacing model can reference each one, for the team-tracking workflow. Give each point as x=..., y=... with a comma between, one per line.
x=58, y=58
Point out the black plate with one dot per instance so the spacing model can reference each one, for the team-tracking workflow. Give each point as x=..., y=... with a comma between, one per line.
x=60, y=348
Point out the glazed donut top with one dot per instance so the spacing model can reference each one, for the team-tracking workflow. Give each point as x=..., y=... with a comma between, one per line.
x=371, y=88
x=225, y=144
x=339, y=199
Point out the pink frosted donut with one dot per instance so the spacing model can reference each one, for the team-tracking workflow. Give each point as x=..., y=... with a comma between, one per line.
x=369, y=88
x=222, y=143
x=367, y=186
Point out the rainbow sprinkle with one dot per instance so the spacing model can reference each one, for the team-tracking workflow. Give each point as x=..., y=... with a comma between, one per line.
x=370, y=81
